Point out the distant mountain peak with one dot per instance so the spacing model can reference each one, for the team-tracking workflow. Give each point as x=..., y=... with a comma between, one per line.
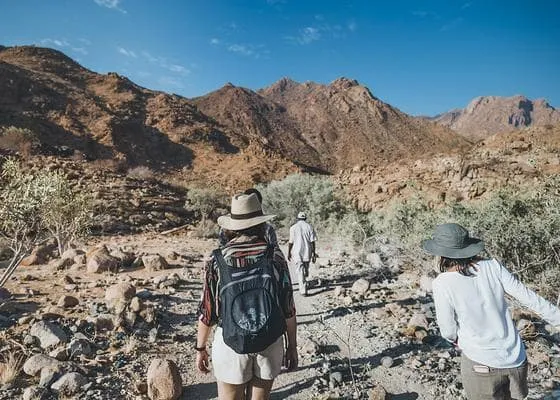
x=488, y=115
x=344, y=83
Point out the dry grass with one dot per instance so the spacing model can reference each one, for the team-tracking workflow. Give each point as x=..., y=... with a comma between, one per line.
x=10, y=367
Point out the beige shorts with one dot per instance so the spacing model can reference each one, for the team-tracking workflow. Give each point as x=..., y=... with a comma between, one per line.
x=236, y=369
x=482, y=382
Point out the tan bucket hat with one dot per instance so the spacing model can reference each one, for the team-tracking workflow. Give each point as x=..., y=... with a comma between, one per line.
x=246, y=211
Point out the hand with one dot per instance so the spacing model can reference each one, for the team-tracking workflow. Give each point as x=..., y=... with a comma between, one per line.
x=314, y=257
x=291, y=358
x=202, y=361
x=289, y=256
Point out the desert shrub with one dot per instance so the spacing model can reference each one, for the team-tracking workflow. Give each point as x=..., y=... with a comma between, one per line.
x=519, y=227
x=316, y=195
x=206, y=229
x=205, y=203
x=34, y=206
x=11, y=364
x=68, y=213
x=141, y=173
x=19, y=140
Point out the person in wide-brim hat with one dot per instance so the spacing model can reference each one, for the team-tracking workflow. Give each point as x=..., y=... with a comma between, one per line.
x=472, y=313
x=238, y=374
x=453, y=241
x=246, y=211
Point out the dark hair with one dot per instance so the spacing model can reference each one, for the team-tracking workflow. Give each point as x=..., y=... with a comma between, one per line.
x=257, y=230
x=256, y=192
x=463, y=265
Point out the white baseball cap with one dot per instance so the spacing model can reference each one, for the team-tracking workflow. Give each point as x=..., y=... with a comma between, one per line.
x=302, y=215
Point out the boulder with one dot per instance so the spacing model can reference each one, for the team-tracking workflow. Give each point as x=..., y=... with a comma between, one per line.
x=37, y=362
x=99, y=260
x=48, y=333
x=70, y=384
x=118, y=295
x=154, y=262
x=164, y=380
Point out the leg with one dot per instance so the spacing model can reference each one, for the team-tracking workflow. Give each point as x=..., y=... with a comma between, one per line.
x=260, y=388
x=227, y=391
x=300, y=272
x=518, y=381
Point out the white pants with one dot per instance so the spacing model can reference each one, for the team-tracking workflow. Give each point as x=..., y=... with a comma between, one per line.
x=302, y=272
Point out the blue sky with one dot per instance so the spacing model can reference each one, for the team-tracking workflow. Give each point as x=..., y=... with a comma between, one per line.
x=424, y=57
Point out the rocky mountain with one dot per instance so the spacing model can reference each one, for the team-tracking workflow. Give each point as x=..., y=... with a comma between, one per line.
x=487, y=115
x=327, y=126
x=108, y=117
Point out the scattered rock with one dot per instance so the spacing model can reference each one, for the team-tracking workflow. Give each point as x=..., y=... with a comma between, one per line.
x=118, y=295
x=37, y=362
x=35, y=393
x=70, y=384
x=164, y=380
x=361, y=286
x=387, y=361
x=154, y=262
x=48, y=333
x=418, y=320
x=67, y=301
x=99, y=260
x=377, y=393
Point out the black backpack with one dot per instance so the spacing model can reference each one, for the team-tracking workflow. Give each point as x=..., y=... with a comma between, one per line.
x=249, y=310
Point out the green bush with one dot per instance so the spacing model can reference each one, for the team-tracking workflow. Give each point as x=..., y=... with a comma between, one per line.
x=315, y=195
x=205, y=203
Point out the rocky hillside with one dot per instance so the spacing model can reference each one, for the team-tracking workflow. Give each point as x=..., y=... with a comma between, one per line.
x=74, y=111
x=327, y=126
x=487, y=115
x=517, y=157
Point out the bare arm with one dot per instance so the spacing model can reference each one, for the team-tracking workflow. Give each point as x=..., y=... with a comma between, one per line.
x=201, y=341
x=291, y=350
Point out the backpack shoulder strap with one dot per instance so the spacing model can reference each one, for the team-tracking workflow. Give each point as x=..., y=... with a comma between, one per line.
x=223, y=269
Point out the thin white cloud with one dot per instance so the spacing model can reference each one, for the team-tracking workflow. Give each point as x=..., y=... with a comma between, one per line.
x=306, y=35
x=163, y=63
x=215, y=41
x=241, y=49
x=127, y=53
x=112, y=4
x=425, y=14
x=352, y=26
x=63, y=44
x=466, y=5
x=274, y=2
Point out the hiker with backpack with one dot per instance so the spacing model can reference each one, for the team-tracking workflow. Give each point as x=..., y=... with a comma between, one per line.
x=472, y=313
x=270, y=233
x=247, y=294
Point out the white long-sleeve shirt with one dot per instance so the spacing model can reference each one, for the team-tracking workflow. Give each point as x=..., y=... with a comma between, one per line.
x=473, y=311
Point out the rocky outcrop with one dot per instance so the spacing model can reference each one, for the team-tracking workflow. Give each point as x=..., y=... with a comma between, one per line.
x=488, y=115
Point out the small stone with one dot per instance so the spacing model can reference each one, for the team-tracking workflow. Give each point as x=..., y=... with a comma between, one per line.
x=154, y=262
x=387, y=361
x=361, y=286
x=35, y=393
x=377, y=393
x=419, y=320
x=68, y=301
x=335, y=378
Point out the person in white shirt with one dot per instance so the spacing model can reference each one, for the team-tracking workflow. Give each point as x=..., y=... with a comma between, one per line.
x=301, y=249
x=472, y=313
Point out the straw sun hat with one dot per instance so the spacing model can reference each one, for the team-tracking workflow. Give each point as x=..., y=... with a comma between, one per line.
x=452, y=241
x=246, y=211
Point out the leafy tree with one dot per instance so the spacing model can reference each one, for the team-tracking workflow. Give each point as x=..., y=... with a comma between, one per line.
x=36, y=206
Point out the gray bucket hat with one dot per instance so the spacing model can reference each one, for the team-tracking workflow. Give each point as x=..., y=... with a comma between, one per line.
x=452, y=241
